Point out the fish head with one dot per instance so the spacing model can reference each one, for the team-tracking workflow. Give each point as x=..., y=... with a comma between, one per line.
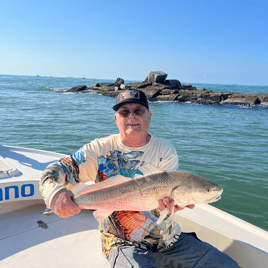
x=193, y=189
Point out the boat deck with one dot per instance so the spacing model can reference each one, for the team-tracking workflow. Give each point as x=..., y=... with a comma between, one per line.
x=29, y=239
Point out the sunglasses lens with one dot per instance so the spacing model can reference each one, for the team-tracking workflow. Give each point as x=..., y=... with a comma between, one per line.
x=124, y=113
x=137, y=112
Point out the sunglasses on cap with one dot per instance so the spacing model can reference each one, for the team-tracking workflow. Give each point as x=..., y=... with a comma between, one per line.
x=125, y=113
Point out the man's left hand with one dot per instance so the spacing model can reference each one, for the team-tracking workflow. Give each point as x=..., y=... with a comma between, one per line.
x=166, y=202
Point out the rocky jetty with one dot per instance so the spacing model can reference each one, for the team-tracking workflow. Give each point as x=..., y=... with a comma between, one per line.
x=157, y=87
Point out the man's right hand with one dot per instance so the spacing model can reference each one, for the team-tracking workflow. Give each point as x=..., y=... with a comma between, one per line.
x=63, y=205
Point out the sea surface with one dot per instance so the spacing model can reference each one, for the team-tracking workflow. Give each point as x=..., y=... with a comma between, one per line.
x=226, y=144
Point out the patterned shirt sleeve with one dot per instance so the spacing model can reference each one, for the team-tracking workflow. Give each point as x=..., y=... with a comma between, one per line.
x=63, y=173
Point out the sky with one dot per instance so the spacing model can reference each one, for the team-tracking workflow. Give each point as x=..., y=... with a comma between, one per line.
x=209, y=41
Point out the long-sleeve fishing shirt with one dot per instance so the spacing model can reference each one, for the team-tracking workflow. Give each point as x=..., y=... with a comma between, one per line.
x=102, y=159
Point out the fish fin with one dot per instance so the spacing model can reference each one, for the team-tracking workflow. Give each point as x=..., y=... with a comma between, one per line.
x=172, y=218
x=48, y=212
x=149, y=169
x=116, y=180
x=137, y=223
x=100, y=215
x=163, y=215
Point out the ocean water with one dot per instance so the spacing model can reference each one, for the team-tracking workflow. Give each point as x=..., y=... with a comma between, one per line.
x=226, y=144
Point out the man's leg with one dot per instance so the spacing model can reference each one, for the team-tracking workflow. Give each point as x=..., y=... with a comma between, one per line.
x=190, y=252
x=131, y=257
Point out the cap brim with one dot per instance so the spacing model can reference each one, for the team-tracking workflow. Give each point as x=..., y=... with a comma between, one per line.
x=117, y=106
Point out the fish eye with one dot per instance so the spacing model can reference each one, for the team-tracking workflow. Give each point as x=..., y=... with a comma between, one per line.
x=208, y=191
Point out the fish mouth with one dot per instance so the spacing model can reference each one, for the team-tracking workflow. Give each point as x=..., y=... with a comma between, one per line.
x=214, y=199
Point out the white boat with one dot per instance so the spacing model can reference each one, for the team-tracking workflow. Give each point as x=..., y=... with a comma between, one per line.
x=30, y=239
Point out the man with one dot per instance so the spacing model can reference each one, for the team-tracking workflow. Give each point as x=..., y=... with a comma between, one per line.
x=130, y=238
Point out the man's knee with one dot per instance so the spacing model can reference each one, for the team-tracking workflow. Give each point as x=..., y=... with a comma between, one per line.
x=189, y=251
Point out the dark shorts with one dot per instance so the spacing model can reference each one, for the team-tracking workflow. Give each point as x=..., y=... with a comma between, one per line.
x=187, y=252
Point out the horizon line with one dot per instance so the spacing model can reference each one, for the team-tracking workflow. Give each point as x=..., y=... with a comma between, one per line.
x=48, y=76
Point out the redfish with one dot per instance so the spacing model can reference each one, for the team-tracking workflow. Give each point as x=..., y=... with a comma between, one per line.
x=120, y=193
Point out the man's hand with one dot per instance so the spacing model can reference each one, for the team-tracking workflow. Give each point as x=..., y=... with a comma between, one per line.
x=63, y=205
x=166, y=202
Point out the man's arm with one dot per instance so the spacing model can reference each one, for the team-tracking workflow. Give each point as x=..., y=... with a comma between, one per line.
x=60, y=177
x=53, y=183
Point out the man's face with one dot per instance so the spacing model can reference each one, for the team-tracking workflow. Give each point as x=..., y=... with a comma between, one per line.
x=133, y=119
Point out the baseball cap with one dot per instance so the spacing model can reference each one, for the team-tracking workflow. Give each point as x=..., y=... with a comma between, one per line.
x=131, y=96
